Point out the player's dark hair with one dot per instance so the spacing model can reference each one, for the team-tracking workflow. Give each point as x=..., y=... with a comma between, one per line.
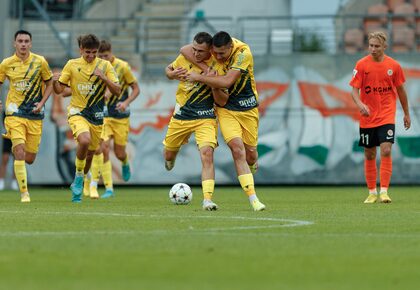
x=89, y=41
x=104, y=46
x=23, y=32
x=221, y=38
x=203, y=37
x=79, y=41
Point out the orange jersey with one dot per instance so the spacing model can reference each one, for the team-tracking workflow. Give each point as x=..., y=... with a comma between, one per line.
x=377, y=83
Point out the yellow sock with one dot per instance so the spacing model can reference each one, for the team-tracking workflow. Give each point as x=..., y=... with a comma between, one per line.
x=208, y=188
x=80, y=166
x=247, y=183
x=20, y=173
x=96, y=168
x=107, y=174
x=125, y=161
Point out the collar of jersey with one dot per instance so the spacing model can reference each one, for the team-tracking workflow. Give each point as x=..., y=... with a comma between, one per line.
x=26, y=60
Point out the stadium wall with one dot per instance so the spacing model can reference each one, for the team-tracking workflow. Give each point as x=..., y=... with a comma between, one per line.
x=308, y=130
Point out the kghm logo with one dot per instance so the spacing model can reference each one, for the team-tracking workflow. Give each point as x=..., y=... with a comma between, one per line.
x=379, y=90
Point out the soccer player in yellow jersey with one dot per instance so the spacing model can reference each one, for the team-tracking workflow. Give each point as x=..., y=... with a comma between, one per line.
x=238, y=118
x=116, y=124
x=194, y=113
x=88, y=78
x=29, y=88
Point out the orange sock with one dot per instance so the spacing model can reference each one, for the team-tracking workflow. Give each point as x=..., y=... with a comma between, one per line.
x=385, y=171
x=370, y=173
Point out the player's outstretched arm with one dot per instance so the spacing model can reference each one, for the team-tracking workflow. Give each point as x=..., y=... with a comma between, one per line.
x=402, y=95
x=225, y=81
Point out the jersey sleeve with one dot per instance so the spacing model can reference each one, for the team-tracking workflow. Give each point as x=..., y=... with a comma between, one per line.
x=399, y=78
x=128, y=74
x=357, y=79
x=110, y=73
x=2, y=73
x=177, y=62
x=65, y=74
x=242, y=59
x=46, y=71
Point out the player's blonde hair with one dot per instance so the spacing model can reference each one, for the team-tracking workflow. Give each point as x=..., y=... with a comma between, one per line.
x=379, y=35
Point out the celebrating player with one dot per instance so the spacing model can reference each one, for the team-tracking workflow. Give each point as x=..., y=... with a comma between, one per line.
x=194, y=113
x=30, y=86
x=238, y=118
x=116, y=124
x=88, y=78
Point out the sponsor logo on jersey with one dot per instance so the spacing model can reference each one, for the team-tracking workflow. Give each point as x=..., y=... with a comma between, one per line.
x=378, y=90
x=250, y=102
x=86, y=88
x=22, y=85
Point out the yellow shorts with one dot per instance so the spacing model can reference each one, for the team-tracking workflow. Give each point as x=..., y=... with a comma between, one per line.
x=243, y=124
x=79, y=124
x=23, y=131
x=179, y=131
x=117, y=128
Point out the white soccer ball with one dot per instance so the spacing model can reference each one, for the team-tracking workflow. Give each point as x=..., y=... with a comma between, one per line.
x=180, y=193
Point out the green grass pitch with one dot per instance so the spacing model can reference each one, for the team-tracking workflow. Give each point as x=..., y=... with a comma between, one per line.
x=308, y=238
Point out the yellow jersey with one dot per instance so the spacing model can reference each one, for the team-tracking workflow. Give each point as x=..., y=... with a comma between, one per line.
x=87, y=89
x=194, y=100
x=25, y=84
x=126, y=78
x=243, y=94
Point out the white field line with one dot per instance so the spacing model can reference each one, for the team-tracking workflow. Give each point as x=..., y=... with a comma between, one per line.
x=278, y=223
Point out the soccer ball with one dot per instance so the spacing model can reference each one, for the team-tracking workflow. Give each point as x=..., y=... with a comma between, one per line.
x=180, y=193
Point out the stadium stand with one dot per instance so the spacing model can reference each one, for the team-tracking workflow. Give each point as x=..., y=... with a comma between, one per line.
x=376, y=17
x=402, y=15
x=416, y=4
x=394, y=3
x=403, y=39
x=353, y=40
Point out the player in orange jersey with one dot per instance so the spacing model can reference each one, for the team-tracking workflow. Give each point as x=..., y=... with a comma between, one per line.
x=377, y=81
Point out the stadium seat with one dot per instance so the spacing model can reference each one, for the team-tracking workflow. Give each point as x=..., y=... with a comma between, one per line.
x=416, y=4
x=378, y=12
x=353, y=40
x=376, y=18
x=401, y=15
x=393, y=3
x=418, y=27
x=403, y=39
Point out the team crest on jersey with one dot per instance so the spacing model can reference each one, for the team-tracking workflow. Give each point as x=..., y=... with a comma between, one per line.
x=390, y=132
x=240, y=59
x=354, y=72
x=390, y=72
